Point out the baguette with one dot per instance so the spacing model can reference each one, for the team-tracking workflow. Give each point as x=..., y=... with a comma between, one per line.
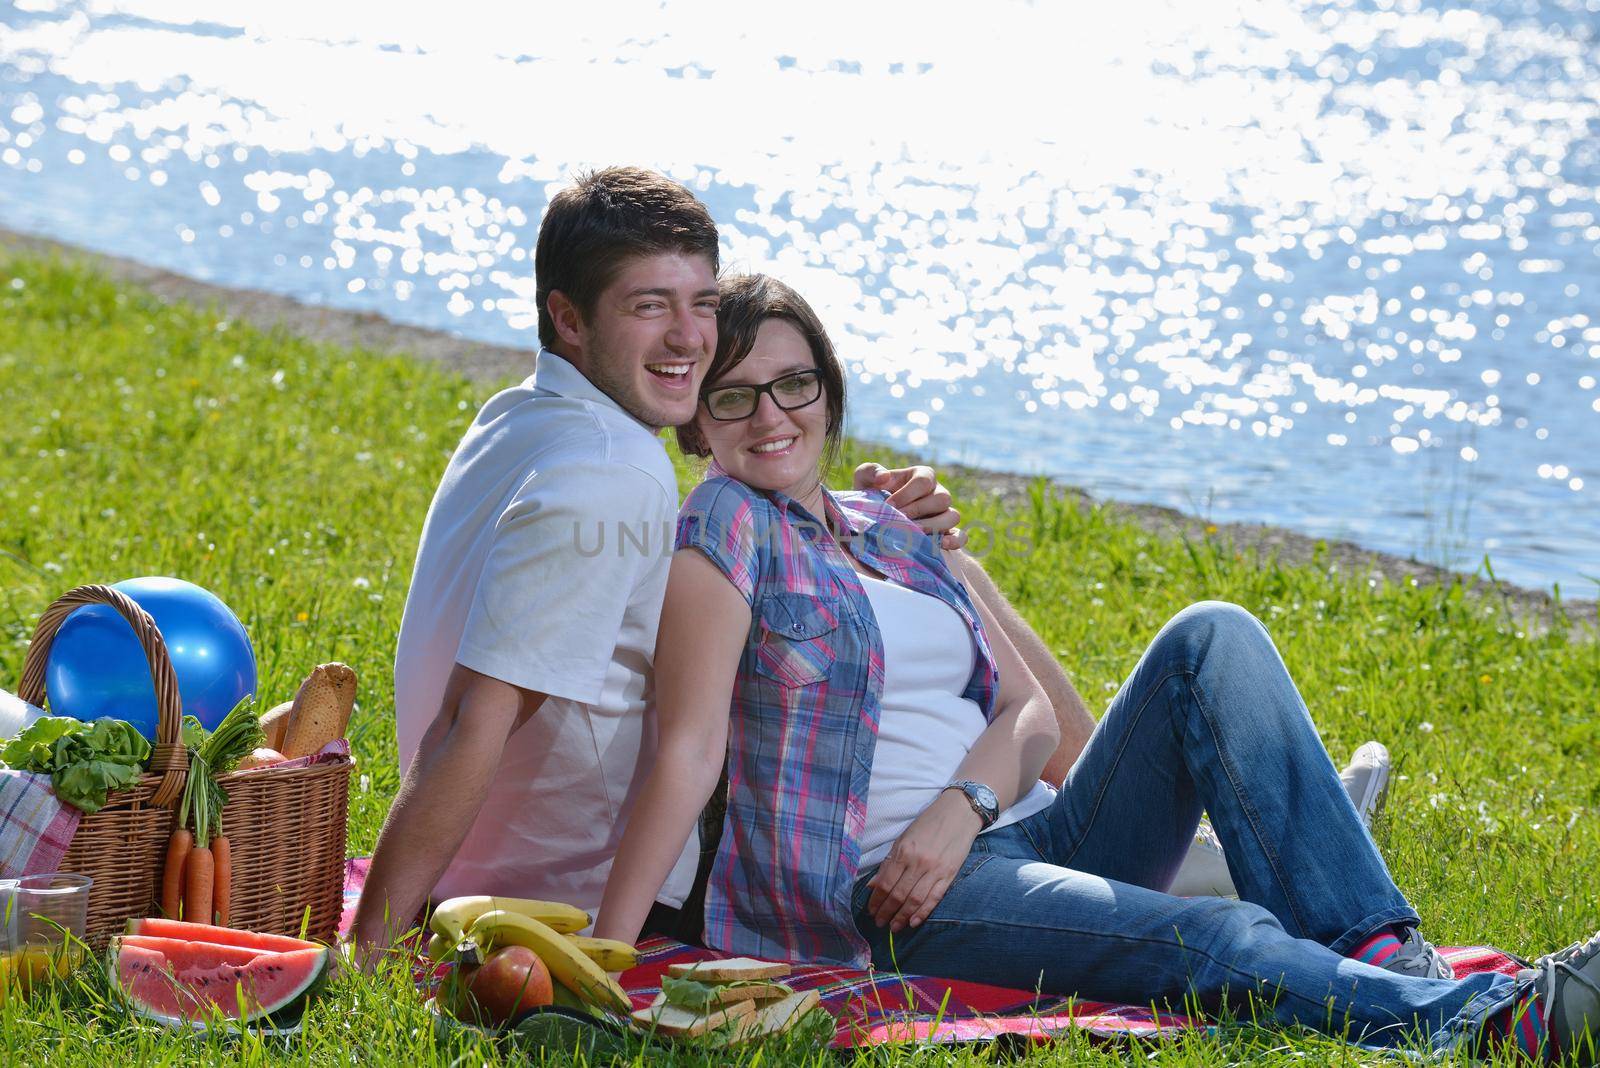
x=274, y=723
x=671, y=1020
x=727, y=971
x=321, y=710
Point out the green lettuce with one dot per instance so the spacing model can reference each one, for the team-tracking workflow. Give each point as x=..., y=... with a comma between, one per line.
x=687, y=993
x=697, y=997
x=85, y=761
x=31, y=750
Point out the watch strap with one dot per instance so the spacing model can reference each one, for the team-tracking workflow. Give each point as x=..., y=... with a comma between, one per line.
x=970, y=789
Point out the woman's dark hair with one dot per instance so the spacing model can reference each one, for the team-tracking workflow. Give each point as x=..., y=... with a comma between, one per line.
x=748, y=300
x=606, y=218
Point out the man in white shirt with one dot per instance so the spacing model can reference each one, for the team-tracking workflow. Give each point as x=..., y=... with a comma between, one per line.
x=522, y=672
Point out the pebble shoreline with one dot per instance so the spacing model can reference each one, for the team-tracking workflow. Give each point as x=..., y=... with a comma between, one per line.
x=486, y=362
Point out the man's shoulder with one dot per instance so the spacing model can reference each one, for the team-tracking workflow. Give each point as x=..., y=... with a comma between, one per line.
x=636, y=449
x=550, y=435
x=523, y=415
x=588, y=486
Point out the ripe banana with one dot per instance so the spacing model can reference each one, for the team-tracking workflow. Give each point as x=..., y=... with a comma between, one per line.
x=440, y=947
x=453, y=917
x=611, y=955
x=566, y=962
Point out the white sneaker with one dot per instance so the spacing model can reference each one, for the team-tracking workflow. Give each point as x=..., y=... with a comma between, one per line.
x=1204, y=872
x=1366, y=780
x=1568, y=985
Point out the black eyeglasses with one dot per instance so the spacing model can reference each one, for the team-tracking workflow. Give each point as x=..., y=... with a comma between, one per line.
x=796, y=389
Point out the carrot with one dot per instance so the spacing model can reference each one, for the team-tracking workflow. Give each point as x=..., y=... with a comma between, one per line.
x=199, y=873
x=178, y=847
x=222, y=855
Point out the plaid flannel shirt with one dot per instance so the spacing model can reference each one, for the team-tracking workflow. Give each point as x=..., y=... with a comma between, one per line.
x=804, y=717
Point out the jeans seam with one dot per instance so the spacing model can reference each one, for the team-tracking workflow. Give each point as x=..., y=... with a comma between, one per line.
x=1033, y=840
x=1116, y=762
x=1252, y=817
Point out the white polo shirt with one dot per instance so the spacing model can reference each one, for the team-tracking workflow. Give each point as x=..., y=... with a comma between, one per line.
x=543, y=562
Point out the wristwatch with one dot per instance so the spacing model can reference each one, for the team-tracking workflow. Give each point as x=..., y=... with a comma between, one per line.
x=981, y=798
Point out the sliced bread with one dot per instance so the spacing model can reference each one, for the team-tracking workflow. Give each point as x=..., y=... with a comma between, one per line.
x=671, y=1020
x=726, y=971
x=777, y=1016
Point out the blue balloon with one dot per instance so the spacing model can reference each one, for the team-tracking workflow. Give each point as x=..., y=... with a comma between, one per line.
x=96, y=667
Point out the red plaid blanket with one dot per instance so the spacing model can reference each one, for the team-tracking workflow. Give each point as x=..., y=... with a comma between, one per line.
x=35, y=826
x=874, y=1007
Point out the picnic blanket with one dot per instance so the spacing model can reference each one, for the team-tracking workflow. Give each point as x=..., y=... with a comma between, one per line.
x=872, y=1008
x=35, y=826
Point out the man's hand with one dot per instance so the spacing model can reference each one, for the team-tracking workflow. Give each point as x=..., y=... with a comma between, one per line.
x=917, y=493
x=923, y=862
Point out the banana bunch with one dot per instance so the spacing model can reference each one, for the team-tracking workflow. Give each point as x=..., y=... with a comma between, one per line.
x=549, y=928
x=611, y=955
x=452, y=918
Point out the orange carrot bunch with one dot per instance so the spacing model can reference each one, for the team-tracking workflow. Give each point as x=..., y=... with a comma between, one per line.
x=197, y=881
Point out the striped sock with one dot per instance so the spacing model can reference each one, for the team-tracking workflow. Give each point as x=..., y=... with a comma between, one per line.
x=1378, y=949
x=1520, y=1025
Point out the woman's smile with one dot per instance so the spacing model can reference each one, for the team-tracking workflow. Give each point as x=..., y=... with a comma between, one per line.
x=775, y=447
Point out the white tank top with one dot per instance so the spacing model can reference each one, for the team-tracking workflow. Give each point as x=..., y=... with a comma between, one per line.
x=925, y=726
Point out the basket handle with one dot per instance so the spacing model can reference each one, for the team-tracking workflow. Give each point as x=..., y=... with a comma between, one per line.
x=169, y=759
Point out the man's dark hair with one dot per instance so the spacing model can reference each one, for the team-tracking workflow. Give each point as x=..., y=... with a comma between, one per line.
x=748, y=300
x=605, y=219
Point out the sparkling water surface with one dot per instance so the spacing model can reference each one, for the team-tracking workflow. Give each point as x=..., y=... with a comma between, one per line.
x=1326, y=265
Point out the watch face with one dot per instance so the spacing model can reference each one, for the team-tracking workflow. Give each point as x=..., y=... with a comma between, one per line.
x=985, y=797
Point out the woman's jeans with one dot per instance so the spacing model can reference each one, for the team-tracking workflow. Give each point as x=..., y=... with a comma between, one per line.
x=1069, y=901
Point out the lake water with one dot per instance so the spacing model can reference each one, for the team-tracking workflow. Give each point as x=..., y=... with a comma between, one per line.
x=1326, y=265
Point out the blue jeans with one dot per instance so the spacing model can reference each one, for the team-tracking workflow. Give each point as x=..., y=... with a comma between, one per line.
x=1070, y=901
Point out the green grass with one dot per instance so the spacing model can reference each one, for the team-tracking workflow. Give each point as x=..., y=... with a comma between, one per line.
x=292, y=478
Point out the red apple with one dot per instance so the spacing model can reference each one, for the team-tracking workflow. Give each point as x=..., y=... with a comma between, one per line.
x=455, y=994
x=512, y=981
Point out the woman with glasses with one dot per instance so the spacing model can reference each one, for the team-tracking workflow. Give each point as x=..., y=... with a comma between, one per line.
x=884, y=742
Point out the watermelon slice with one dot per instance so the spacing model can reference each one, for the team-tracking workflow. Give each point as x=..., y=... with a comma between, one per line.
x=197, y=954
x=156, y=927
x=178, y=982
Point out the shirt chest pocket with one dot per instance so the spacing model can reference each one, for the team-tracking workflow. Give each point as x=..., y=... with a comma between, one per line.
x=798, y=635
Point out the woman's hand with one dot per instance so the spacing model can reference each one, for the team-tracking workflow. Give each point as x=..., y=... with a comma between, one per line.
x=923, y=862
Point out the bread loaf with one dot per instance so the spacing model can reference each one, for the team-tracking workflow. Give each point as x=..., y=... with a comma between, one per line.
x=321, y=710
x=275, y=724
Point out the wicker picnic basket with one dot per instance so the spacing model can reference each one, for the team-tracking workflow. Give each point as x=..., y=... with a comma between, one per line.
x=286, y=826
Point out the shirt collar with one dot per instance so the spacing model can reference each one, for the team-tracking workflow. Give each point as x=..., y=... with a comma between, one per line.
x=840, y=517
x=556, y=374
